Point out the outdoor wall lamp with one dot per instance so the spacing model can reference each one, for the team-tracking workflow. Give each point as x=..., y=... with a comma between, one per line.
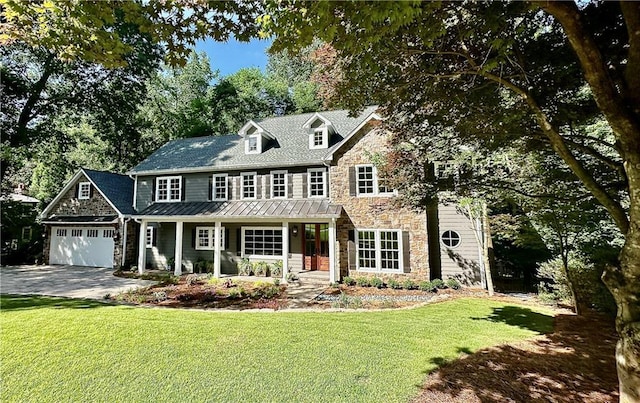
x=294, y=231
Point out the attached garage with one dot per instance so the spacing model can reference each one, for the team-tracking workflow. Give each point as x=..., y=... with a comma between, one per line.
x=82, y=246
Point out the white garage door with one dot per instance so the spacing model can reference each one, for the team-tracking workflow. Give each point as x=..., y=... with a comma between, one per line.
x=82, y=246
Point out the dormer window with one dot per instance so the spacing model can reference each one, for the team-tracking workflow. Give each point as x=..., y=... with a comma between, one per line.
x=252, y=144
x=319, y=129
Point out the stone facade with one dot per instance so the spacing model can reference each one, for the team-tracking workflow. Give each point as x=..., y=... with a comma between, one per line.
x=381, y=212
x=69, y=205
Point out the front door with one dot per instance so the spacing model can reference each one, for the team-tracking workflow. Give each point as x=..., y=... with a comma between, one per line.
x=316, y=247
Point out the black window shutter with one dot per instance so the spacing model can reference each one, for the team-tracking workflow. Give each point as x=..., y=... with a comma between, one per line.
x=353, y=183
x=226, y=238
x=77, y=190
x=153, y=189
x=193, y=238
x=406, y=259
x=90, y=190
x=238, y=241
x=183, y=190
x=352, y=235
x=154, y=236
x=210, y=188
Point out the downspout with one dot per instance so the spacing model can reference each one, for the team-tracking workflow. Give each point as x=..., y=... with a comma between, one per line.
x=135, y=190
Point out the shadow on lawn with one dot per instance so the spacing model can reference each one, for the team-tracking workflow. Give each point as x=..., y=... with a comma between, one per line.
x=521, y=317
x=575, y=363
x=24, y=302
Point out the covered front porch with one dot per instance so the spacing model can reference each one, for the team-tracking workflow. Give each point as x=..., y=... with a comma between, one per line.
x=296, y=236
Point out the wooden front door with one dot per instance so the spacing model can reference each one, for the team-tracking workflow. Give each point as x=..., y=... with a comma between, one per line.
x=316, y=247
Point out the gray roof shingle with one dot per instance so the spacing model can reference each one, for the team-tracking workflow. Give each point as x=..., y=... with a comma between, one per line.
x=290, y=148
x=117, y=188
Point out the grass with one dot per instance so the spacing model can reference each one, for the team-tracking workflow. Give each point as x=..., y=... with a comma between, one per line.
x=69, y=350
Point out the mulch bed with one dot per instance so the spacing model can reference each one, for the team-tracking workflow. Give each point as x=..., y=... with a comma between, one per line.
x=575, y=363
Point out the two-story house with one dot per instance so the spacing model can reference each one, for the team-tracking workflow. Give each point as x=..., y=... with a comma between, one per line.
x=302, y=189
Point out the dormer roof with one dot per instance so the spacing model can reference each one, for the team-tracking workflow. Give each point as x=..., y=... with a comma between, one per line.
x=309, y=124
x=252, y=127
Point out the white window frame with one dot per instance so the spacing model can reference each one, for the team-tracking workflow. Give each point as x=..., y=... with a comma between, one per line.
x=378, y=251
x=84, y=190
x=255, y=185
x=324, y=182
x=242, y=250
x=452, y=231
x=214, y=188
x=376, y=183
x=149, y=237
x=248, y=138
x=325, y=138
x=211, y=234
x=286, y=184
x=168, y=179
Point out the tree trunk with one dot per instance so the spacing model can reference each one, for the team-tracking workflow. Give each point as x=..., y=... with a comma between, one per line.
x=487, y=247
x=577, y=305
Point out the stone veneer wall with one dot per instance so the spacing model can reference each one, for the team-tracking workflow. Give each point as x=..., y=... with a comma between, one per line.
x=373, y=212
x=96, y=205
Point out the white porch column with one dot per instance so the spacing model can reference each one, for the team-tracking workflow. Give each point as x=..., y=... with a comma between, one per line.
x=285, y=251
x=142, y=247
x=216, y=250
x=334, y=276
x=178, y=263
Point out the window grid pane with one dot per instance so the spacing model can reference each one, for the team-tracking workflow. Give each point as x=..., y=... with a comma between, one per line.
x=451, y=239
x=220, y=188
x=253, y=143
x=278, y=185
x=249, y=186
x=365, y=180
x=318, y=138
x=366, y=249
x=85, y=191
x=389, y=250
x=263, y=242
x=316, y=183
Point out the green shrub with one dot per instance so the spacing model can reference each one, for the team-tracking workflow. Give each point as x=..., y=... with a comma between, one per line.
x=209, y=266
x=192, y=279
x=438, y=283
x=245, y=267
x=234, y=293
x=261, y=268
x=292, y=277
x=350, y=281
x=275, y=270
x=363, y=282
x=160, y=296
x=409, y=284
x=589, y=288
x=453, y=284
x=346, y=301
x=213, y=281
x=393, y=283
x=276, y=281
x=376, y=282
x=426, y=286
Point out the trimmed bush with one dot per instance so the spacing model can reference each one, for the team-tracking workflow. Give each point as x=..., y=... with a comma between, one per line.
x=453, y=284
x=363, y=282
x=245, y=267
x=409, y=284
x=426, y=286
x=438, y=283
x=275, y=270
x=350, y=281
x=394, y=284
x=376, y=282
x=261, y=268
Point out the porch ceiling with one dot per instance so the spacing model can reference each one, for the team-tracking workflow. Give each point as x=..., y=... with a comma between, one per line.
x=285, y=208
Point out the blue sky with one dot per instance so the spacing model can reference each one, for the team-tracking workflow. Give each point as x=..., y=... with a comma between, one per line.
x=231, y=56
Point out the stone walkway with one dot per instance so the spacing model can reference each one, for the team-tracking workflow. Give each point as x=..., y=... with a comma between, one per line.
x=303, y=293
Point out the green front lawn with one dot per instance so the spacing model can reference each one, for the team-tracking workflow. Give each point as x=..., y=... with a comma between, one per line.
x=71, y=350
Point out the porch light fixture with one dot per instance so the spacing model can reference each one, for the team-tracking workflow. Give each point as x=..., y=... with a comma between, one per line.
x=294, y=231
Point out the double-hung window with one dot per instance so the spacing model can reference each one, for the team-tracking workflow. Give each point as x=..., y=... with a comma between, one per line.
x=317, y=182
x=169, y=189
x=279, y=184
x=84, y=190
x=369, y=183
x=260, y=242
x=205, y=238
x=249, y=185
x=379, y=250
x=220, y=188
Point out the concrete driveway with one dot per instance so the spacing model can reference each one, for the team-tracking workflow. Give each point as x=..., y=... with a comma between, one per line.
x=65, y=281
